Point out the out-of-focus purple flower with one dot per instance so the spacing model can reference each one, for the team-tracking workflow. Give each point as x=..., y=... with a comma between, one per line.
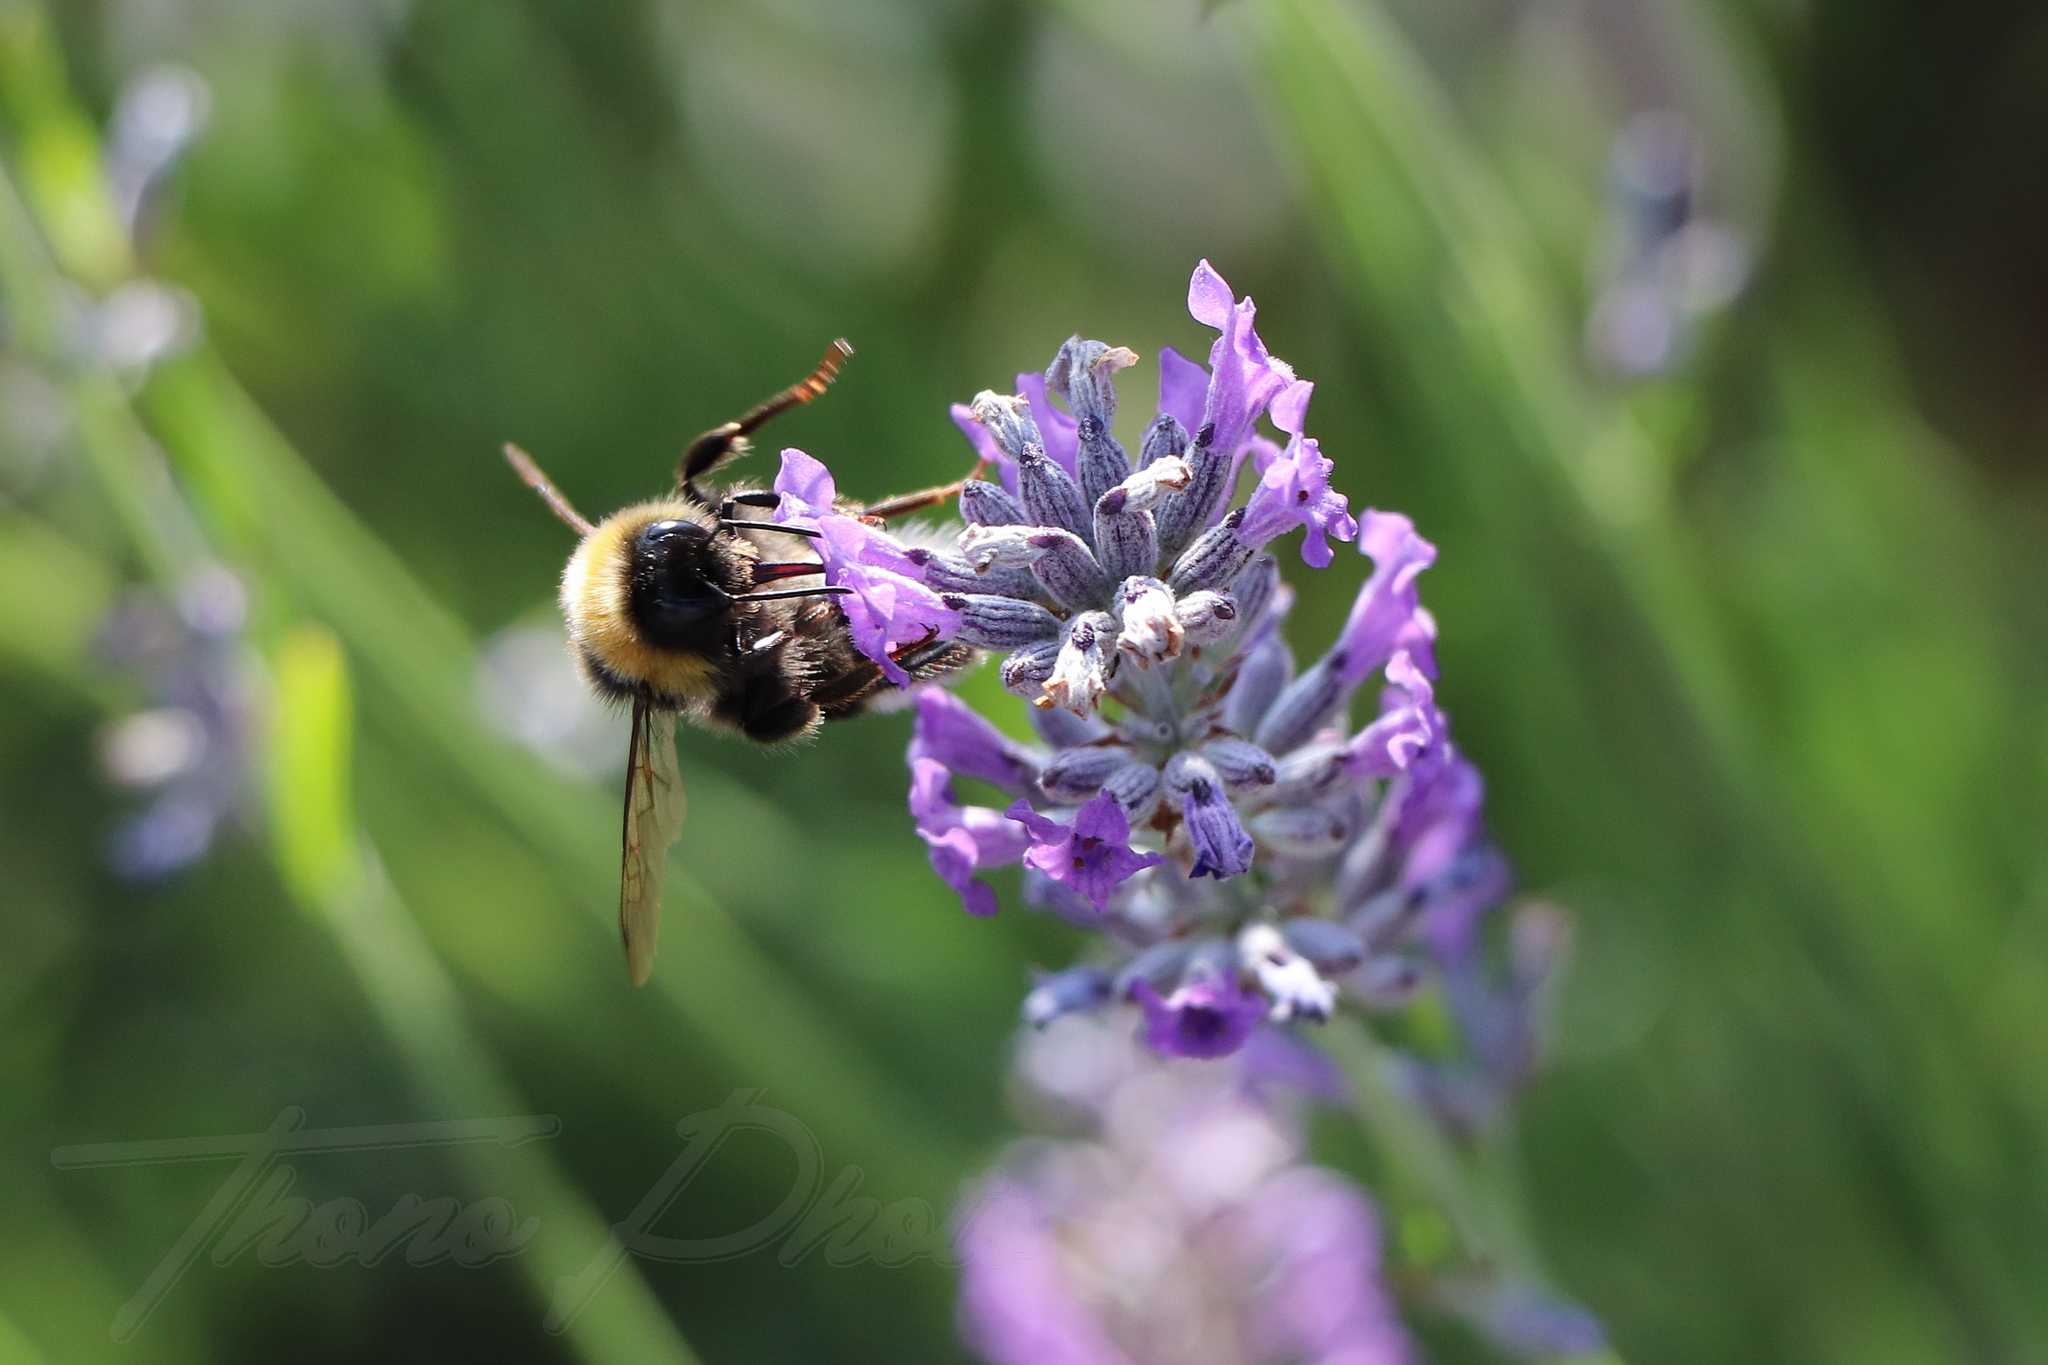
x=191, y=747
x=1093, y=855
x=1017, y=1306
x=890, y=604
x=1206, y=1016
x=1177, y=1222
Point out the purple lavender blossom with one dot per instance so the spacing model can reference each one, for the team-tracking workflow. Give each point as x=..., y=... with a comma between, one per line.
x=1178, y=1223
x=1092, y=855
x=962, y=840
x=1205, y=1017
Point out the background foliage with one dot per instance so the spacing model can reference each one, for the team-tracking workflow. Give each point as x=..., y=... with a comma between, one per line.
x=1749, y=646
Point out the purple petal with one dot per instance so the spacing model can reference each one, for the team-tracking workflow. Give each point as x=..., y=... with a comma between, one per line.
x=1183, y=385
x=1294, y=490
x=956, y=735
x=961, y=840
x=1387, y=615
x=1243, y=377
x=1092, y=856
x=1408, y=723
x=806, y=487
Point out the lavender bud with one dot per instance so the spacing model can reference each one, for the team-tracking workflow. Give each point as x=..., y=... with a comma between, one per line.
x=1214, y=559
x=1077, y=988
x=1185, y=514
x=1024, y=672
x=1050, y=497
x=1083, y=372
x=1309, y=773
x=1244, y=767
x=952, y=573
x=1222, y=848
x=1136, y=788
x=1067, y=569
x=1302, y=831
x=1333, y=948
x=1259, y=679
x=1289, y=980
x=1207, y=615
x=1159, y=965
x=1061, y=729
x=1386, y=983
x=1124, y=536
x=1151, y=632
x=987, y=504
x=1001, y=622
x=1165, y=437
x=1080, y=675
x=1256, y=587
x=1303, y=708
x=1008, y=419
x=988, y=547
x=1146, y=489
x=1075, y=775
x=1385, y=919
x=1099, y=459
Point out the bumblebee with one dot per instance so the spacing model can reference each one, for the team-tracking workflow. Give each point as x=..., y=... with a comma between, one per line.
x=692, y=607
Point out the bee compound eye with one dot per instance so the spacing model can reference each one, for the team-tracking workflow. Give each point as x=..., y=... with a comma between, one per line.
x=672, y=530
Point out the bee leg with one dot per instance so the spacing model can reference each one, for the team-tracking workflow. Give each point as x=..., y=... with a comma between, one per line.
x=905, y=503
x=729, y=439
x=765, y=708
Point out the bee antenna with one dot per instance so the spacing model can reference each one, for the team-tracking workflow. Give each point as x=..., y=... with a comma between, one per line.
x=730, y=524
x=530, y=474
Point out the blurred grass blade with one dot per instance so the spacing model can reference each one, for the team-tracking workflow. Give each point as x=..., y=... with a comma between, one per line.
x=421, y=1011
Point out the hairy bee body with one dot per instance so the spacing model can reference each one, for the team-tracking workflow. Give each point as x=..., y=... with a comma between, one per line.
x=654, y=598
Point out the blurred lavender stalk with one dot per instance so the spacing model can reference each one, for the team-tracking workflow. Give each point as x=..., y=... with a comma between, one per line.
x=1176, y=1220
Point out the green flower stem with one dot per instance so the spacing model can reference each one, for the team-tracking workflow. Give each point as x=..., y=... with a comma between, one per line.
x=1476, y=1191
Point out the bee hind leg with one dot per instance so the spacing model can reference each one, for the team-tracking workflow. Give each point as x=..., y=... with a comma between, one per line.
x=903, y=504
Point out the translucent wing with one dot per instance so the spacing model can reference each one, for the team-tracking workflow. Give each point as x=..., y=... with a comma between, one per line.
x=654, y=816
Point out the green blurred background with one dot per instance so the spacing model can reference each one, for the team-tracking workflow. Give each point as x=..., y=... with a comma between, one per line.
x=1704, y=339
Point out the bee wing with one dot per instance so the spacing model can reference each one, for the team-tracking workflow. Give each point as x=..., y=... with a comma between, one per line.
x=654, y=816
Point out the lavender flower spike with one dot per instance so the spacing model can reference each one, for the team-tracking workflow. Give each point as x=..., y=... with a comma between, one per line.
x=1252, y=856
x=1181, y=1223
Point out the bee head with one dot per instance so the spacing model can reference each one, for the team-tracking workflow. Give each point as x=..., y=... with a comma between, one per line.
x=648, y=600
x=678, y=582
